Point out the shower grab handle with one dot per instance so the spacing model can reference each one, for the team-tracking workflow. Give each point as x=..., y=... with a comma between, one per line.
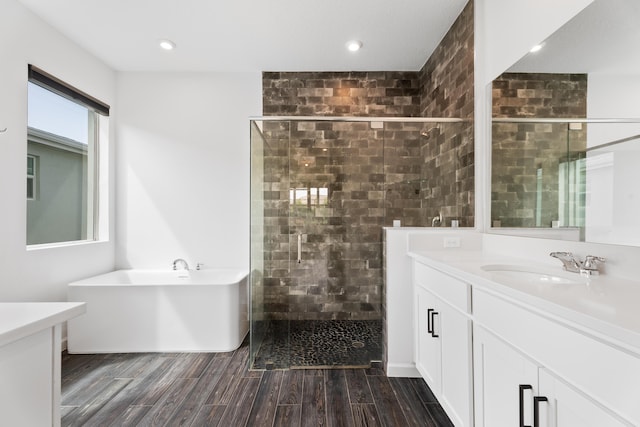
x=299, y=248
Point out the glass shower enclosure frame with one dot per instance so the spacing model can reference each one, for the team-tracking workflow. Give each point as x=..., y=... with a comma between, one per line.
x=322, y=189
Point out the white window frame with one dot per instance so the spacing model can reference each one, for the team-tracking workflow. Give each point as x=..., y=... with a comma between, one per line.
x=32, y=177
x=96, y=227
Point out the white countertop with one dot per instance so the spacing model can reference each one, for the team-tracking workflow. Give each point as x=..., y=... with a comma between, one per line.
x=20, y=319
x=604, y=306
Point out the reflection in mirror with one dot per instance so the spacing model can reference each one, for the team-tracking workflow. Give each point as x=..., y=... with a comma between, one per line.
x=565, y=132
x=559, y=178
x=535, y=174
x=612, y=177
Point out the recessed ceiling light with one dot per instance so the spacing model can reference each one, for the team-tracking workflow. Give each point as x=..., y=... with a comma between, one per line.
x=167, y=44
x=354, y=45
x=536, y=48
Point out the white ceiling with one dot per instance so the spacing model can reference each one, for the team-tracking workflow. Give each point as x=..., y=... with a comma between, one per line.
x=603, y=38
x=254, y=35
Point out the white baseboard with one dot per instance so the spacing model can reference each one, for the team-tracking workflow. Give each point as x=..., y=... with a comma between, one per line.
x=404, y=370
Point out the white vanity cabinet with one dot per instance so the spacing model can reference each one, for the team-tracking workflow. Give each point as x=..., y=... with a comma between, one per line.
x=566, y=406
x=443, y=340
x=503, y=354
x=505, y=382
x=30, y=361
x=525, y=362
x=510, y=388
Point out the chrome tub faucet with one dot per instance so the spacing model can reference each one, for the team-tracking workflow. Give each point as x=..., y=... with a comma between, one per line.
x=588, y=267
x=181, y=262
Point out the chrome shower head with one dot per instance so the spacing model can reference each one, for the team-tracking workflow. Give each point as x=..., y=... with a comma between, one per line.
x=427, y=133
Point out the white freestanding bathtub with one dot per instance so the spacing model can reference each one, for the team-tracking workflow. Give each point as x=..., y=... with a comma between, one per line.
x=157, y=311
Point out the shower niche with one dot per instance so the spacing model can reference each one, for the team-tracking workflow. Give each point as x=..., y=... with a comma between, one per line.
x=322, y=189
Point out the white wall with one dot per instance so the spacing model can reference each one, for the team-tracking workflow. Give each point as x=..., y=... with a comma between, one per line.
x=183, y=168
x=39, y=275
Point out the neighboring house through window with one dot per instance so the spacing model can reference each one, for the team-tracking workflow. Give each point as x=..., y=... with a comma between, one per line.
x=32, y=177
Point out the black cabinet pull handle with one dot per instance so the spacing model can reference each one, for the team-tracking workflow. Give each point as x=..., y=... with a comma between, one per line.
x=521, y=390
x=536, y=409
x=433, y=324
x=429, y=325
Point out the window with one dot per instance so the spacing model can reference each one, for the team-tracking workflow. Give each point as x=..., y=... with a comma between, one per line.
x=309, y=196
x=64, y=128
x=31, y=177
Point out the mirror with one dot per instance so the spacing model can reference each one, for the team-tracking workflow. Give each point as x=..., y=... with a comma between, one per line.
x=566, y=132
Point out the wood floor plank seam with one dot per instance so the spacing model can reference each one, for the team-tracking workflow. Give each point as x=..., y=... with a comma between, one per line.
x=314, y=410
x=263, y=409
x=237, y=412
x=218, y=389
x=188, y=410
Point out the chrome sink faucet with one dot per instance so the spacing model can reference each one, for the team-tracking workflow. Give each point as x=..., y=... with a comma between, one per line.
x=182, y=262
x=588, y=267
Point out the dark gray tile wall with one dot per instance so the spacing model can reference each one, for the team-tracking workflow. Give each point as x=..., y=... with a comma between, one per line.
x=447, y=81
x=339, y=276
x=375, y=94
x=539, y=95
x=373, y=176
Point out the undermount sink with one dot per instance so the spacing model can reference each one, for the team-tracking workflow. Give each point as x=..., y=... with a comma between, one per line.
x=523, y=273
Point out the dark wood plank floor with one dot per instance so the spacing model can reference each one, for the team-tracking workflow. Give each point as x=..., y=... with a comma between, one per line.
x=211, y=389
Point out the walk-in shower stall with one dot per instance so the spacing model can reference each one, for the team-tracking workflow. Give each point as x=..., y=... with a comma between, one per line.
x=322, y=189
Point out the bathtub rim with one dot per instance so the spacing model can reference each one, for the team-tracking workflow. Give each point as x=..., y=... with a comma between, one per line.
x=109, y=279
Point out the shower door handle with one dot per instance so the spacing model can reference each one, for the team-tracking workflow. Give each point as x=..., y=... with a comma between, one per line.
x=299, y=248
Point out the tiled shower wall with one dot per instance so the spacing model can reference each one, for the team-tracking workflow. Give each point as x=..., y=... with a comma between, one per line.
x=370, y=176
x=406, y=171
x=526, y=157
x=447, y=91
x=339, y=273
x=373, y=94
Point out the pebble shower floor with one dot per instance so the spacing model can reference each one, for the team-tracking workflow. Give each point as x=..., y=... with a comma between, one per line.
x=319, y=344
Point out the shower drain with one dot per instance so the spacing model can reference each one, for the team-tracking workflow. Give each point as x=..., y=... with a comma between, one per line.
x=357, y=344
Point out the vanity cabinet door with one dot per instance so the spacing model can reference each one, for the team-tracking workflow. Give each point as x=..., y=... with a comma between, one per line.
x=456, y=395
x=428, y=354
x=444, y=355
x=567, y=407
x=505, y=382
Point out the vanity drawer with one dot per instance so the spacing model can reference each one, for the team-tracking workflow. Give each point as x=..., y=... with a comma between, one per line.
x=453, y=291
x=608, y=374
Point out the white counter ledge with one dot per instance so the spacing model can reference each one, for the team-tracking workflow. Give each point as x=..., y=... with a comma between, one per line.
x=30, y=361
x=20, y=319
x=603, y=306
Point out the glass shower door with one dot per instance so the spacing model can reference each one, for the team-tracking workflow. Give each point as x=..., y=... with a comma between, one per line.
x=336, y=214
x=316, y=243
